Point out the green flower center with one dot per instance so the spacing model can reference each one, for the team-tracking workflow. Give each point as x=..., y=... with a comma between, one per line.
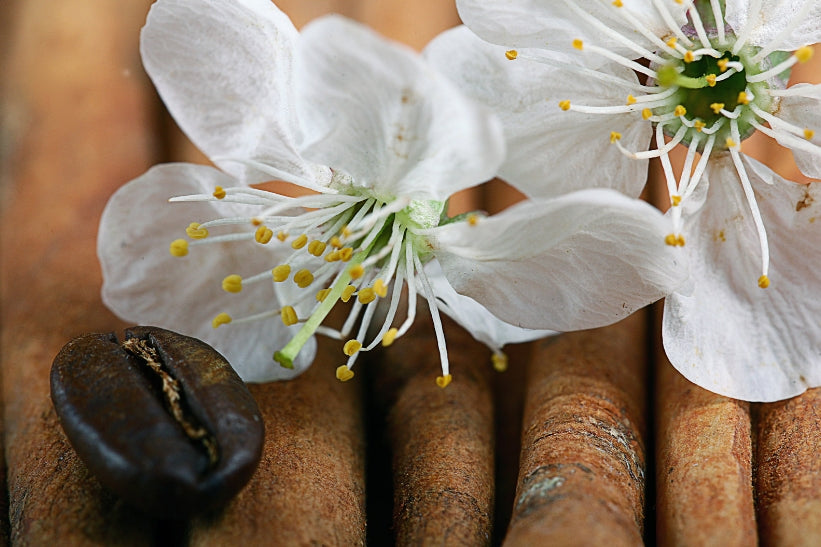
x=710, y=90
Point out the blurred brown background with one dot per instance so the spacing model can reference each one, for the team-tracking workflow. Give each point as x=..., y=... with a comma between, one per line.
x=615, y=446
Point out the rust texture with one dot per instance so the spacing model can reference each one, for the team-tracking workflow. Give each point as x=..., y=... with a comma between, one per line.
x=788, y=474
x=76, y=114
x=703, y=459
x=581, y=475
x=441, y=440
x=309, y=488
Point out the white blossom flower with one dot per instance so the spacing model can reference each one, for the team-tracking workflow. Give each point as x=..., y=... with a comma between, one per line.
x=380, y=141
x=598, y=78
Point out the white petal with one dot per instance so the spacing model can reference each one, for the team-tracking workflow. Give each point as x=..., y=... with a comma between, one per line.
x=579, y=261
x=375, y=110
x=475, y=318
x=772, y=18
x=224, y=70
x=144, y=284
x=802, y=108
x=728, y=335
x=552, y=25
x=549, y=151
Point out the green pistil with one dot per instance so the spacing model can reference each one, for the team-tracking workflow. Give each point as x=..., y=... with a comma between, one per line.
x=285, y=357
x=668, y=76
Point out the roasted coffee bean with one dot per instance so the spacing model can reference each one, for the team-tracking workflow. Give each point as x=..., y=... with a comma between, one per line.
x=161, y=419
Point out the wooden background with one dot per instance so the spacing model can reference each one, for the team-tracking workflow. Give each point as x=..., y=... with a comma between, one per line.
x=586, y=439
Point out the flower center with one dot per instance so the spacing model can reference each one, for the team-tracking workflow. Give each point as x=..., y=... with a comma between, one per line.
x=346, y=244
x=699, y=88
x=709, y=90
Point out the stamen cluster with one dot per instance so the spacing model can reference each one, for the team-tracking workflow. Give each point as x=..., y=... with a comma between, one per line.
x=346, y=243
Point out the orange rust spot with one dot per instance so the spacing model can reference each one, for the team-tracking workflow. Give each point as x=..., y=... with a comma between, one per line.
x=805, y=202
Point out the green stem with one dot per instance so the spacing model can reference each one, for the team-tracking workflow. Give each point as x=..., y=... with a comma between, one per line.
x=668, y=76
x=285, y=357
x=691, y=83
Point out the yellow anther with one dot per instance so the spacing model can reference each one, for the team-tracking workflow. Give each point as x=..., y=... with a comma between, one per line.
x=303, y=278
x=194, y=231
x=322, y=294
x=689, y=57
x=699, y=125
x=670, y=239
x=578, y=44
x=717, y=107
x=232, y=283
x=316, y=247
x=282, y=236
x=809, y=134
x=343, y=373
x=511, y=54
x=389, y=337
x=220, y=319
x=672, y=42
x=366, y=295
x=380, y=288
x=722, y=64
x=346, y=232
x=263, y=234
x=473, y=219
x=281, y=272
x=729, y=143
x=618, y=3
x=646, y=114
x=256, y=222
x=356, y=271
x=351, y=347
x=680, y=240
x=499, y=361
x=803, y=54
x=631, y=100
x=333, y=256
x=288, y=315
x=743, y=98
x=335, y=242
x=763, y=281
x=299, y=242
x=614, y=136
x=680, y=110
x=564, y=105
x=347, y=292
x=178, y=247
x=219, y=192
x=675, y=200
x=711, y=80
x=443, y=381
x=345, y=254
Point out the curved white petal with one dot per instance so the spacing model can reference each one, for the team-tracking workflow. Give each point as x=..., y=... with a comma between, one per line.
x=769, y=22
x=475, y=318
x=144, y=284
x=552, y=25
x=728, y=335
x=375, y=110
x=224, y=70
x=579, y=261
x=549, y=151
x=802, y=108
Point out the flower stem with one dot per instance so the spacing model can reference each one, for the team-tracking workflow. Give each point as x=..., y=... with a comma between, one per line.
x=285, y=357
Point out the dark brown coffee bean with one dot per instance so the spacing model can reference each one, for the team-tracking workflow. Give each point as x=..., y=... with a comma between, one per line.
x=162, y=419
